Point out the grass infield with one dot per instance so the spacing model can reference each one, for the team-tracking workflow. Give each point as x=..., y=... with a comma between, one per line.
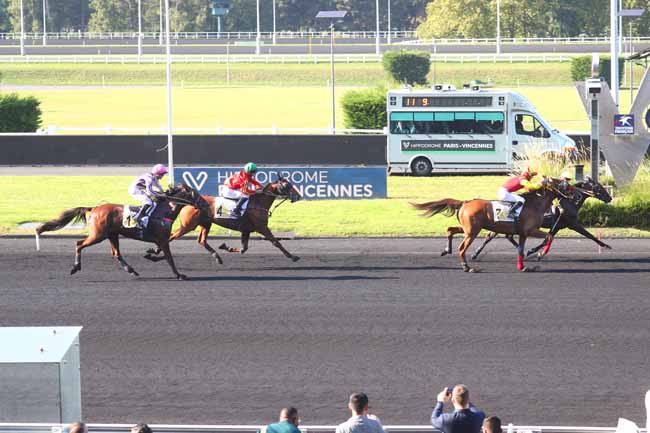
x=36, y=199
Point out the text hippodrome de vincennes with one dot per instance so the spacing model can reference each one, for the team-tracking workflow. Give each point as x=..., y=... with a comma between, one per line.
x=310, y=183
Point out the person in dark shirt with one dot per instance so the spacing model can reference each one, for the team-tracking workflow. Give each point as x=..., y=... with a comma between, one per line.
x=466, y=417
x=288, y=422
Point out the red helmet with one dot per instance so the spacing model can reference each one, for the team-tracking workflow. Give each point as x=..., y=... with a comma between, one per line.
x=528, y=174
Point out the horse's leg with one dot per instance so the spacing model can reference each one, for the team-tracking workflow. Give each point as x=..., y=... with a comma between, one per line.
x=92, y=239
x=451, y=231
x=462, y=249
x=203, y=241
x=487, y=240
x=225, y=247
x=577, y=227
x=115, y=246
x=520, y=254
x=164, y=246
x=512, y=240
x=276, y=243
x=245, y=237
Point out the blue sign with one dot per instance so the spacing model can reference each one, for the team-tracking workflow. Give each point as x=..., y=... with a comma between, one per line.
x=317, y=183
x=623, y=124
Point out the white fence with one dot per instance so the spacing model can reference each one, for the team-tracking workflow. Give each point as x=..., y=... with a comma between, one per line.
x=162, y=130
x=167, y=428
x=281, y=58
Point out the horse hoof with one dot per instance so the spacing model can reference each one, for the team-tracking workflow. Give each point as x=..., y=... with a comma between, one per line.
x=527, y=269
x=151, y=251
x=295, y=258
x=75, y=269
x=134, y=273
x=607, y=247
x=223, y=246
x=539, y=257
x=181, y=277
x=444, y=253
x=475, y=256
x=219, y=260
x=148, y=256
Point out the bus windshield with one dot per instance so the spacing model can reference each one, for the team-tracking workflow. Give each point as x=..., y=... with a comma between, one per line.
x=446, y=122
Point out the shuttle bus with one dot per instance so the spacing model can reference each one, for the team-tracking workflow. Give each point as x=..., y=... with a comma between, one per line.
x=474, y=130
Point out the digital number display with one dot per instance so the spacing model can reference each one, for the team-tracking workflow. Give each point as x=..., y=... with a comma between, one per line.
x=454, y=101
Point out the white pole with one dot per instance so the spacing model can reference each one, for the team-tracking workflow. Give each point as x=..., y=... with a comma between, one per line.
x=44, y=23
x=614, y=49
x=498, y=26
x=160, y=39
x=388, y=41
x=332, y=76
x=259, y=36
x=22, y=29
x=377, y=48
x=139, y=28
x=273, y=22
x=170, y=145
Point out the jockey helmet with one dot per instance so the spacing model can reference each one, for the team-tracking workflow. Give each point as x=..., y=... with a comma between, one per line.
x=159, y=170
x=251, y=167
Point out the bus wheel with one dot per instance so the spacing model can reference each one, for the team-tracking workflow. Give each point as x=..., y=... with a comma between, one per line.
x=421, y=166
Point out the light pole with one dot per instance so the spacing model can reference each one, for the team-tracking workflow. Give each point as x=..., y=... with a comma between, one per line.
x=273, y=22
x=22, y=29
x=44, y=23
x=632, y=13
x=498, y=26
x=377, y=48
x=259, y=36
x=332, y=15
x=160, y=38
x=613, y=22
x=170, y=139
x=388, y=39
x=139, y=28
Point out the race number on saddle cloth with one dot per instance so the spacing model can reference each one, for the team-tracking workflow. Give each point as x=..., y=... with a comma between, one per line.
x=145, y=188
x=241, y=185
x=506, y=194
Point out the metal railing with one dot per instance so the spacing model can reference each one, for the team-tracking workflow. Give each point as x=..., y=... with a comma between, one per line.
x=281, y=58
x=169, y=428
x=396, y=34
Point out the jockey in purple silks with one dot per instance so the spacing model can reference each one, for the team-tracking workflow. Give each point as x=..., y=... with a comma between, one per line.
x=146, y=187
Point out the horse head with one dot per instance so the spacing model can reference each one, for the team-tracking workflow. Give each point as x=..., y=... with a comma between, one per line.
x=283, y=188
x=183, y=193
x=594, y=189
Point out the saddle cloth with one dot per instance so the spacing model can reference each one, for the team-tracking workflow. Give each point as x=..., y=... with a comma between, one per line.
x=129, y=213
x=223, y=206
x=500, y=210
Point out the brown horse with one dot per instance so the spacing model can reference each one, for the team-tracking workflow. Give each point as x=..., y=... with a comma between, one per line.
x=256, y=219
x=475, y=215
x=105, y=222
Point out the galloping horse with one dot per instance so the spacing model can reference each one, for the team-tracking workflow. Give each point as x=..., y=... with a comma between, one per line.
x=105, y=222
x=565, y=217
x=475, y=215
x=256, y=219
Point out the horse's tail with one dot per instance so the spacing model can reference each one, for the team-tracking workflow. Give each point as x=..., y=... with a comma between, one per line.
x=74, y=214
x=447, y=207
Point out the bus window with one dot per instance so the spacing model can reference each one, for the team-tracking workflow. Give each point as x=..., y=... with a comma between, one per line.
x=463, y=123
x=423, y=122
x=527, y=124
x=401, y=123
x=489, y=123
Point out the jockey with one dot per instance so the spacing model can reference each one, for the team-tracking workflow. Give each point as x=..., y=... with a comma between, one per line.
x=146, y=187
x=241, y=185
x=505, y=193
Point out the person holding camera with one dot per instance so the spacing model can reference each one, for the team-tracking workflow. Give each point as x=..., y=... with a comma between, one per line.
x=466, y=418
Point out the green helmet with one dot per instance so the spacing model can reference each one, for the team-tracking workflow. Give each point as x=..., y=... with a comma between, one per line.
x=250, y=167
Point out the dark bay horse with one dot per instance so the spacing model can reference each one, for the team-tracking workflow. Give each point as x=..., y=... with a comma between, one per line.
x=564, y=217
x=255, y=219
x=475, y=215
x=105, y=222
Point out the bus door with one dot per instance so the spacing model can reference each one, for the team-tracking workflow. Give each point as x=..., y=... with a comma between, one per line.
x=530, y=134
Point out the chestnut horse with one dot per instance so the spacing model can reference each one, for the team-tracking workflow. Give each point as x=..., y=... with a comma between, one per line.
x=475, y=215
x=255, y=219
x=105, y=222
x=564, y=217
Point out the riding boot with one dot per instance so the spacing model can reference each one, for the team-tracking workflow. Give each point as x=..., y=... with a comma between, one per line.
x=144, y=210
x=514, y=208
x=236, y=212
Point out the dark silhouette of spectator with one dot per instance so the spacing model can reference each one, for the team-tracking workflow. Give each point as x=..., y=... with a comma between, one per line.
x=77, y=427
x=141, y=428
x=360, y=421
x=492, y=424
x=287, y=423
x=466, y=417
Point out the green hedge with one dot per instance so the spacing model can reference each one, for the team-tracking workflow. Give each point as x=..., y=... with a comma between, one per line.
x=631, y=208
x=407, y=67
x=581, y=68
x=364, y=109
x=19, y=114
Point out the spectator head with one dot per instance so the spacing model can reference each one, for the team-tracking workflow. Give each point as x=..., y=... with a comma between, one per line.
x=460, y=397
x=290, y=414
x=141, y=428
x=492, y=424
x=77, y=427
x=358, y=404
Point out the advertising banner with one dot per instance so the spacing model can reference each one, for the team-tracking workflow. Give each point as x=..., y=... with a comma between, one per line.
x=315, y=183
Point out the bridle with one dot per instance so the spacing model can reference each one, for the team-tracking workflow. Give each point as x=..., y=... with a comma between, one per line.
x=283, y=193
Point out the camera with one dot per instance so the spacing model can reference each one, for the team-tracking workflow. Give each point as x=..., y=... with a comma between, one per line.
x=593, y=86
x=450, y=389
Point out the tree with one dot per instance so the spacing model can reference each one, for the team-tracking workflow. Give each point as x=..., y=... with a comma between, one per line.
x=458, y=18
